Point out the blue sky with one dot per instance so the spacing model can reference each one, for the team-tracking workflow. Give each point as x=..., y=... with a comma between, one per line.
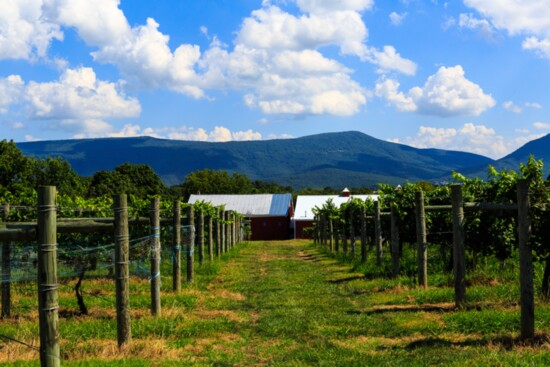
x=466, y=75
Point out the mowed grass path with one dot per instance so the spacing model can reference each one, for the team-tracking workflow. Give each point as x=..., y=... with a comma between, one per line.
x=288, y=304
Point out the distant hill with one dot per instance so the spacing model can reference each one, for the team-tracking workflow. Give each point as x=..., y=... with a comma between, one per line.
x=331, y=159
x=539, y=148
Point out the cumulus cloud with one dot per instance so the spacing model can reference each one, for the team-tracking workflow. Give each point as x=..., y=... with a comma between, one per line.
x=10, y=91
x=218, y=134
x=79, y=95
x=482, y=26
x=472, y=138
x=541, y=125
x=396, y=19
x=25, y=30
x=512, y=107
x=446, y=93
x=276, y=58
x=530, y=18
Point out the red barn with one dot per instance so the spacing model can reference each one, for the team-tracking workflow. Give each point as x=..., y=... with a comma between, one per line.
x=269, y=214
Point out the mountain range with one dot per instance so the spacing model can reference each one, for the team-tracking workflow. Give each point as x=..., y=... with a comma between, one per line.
x=332, y=159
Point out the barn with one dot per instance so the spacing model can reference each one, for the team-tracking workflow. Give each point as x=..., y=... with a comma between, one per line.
x=303, y=215
x=268, y=214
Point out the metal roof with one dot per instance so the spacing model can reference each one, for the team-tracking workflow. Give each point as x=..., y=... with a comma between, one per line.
x=259, y=205
x=306, y=203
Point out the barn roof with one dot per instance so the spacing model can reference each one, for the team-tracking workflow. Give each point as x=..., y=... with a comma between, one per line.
x=306, y=203
x=259, y=205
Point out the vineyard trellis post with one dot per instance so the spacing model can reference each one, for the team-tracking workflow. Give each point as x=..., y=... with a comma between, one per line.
x=421, y=241
x=344, y=237
x=222, y=231
x=459, y=252
x=227, y=231
x=377, y=233
x=176, y=243
x=352, y=231
x=155, y=257
x=218, y=234
x=210, y=237
x=363, y=235
x=48, y=307
x=122, y=272
x=190, y=251
x=527, y=294
x=395, y=250
x=331, y=231
x=201, y=236
x=6, y=267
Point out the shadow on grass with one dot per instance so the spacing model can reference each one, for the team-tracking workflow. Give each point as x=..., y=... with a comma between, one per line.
x=348, y=279
x=418, y=308
x=504, y=342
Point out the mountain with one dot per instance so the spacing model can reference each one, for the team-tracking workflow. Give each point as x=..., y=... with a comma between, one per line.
x=539, y=148
x=331, y=159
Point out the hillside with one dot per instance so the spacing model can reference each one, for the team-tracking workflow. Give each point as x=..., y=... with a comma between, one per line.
x=332, y=159
x=539, y=148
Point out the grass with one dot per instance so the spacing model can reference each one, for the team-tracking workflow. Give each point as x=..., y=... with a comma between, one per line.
x=292, y=304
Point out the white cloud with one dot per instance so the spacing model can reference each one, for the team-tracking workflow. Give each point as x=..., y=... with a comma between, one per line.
x=541, y=125
x=446, y=93
x=79, y=95
x=397, y=19
x=511, y=106
x=10, y=91
x=468, y=21
x=530, y=18
x=472, y=138
x=25, y=31
x=329, y=6
x=533, y=105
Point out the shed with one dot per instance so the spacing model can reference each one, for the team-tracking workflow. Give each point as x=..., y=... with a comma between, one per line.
x=303, y=215
x=269, y=214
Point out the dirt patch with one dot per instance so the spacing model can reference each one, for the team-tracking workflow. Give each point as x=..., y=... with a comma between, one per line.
x=214, y=314
x=224, y=293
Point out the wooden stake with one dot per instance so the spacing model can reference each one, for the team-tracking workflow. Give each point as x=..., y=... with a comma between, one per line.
x=6, y=268
x=363, y=236
x=122, y=272
x=421, y=241
x=176, y=243
x=377, y=233
x=155, y=257
x=47, y=278
x=527, y=294
x=210, y=238
x=395, y=251
x=201, y=236
x=191, y=245
x=218, y=234
x=459, y=252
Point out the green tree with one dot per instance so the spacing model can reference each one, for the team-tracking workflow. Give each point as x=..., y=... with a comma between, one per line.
x=133, y=179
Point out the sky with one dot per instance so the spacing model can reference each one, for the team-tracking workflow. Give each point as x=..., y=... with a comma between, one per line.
x=470, y=75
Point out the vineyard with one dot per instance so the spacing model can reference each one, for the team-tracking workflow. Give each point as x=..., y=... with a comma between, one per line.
x=108, y=241
x=443, y=274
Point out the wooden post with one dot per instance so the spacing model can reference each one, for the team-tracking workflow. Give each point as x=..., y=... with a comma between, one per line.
x=395, y=251
x=331, y=234
x=210, y=238
x=176, y=243
x=527, y=294
x=6, y=268
x=47, y=277
x=201, y=236
x=122, y=272
x=363, y=236
x=218, y=234
x=344, y=238
x=459, y=252
x=352, y=233
x=421, y=241
x=227, y=231
x=377, y=233
x=222, y=232
x=155, y=257
x=337, y=240
x=191, y=245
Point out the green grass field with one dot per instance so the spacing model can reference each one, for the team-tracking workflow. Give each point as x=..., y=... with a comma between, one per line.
x=289, y=304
